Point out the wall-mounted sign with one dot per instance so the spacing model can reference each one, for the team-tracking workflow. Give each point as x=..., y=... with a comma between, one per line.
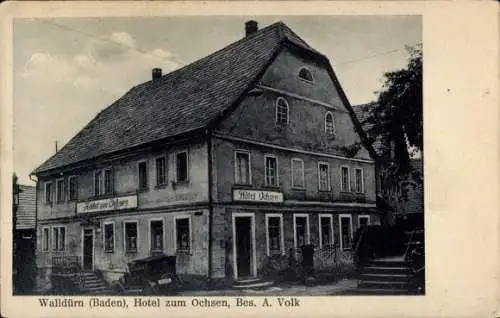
x=257, y=196
x=111, y=204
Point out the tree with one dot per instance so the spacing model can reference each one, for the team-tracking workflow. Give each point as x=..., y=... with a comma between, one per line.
x=396, y=117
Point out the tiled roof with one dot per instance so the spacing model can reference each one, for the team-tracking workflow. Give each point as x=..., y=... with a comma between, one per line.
x=26, y=213
x=184, y=100
x=362, y=112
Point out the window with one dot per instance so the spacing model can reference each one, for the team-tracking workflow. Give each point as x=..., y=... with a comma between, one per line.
x=345, y=231
x=326, y=230
x=181, y=162
x=301, y=227
x=345, y=186
x=323, y=176
x=274, y=234
x=161, y=171
x=297, y=173
x=143, y=175
x=48, y=192
x=183, y=233
x=363, y=220
x=281, y=111
x=73, y=188
x=156, y=238
x=45, y=239
x=271, y=164
x=359, y=180
x=60, y=190
x=98, y=182
x=242, y=167
x=108, y=181
x=109, y=237
x=58, y=238
x=305, y=74
x=329, y=124
x=131, y=239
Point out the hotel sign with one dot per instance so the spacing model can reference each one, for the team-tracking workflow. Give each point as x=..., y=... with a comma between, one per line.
x=257, y=196
x=111, y=204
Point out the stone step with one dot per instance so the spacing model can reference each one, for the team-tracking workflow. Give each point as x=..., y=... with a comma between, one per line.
x=384, y=277
x=383, y=284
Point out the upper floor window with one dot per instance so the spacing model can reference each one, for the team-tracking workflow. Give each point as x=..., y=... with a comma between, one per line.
x=271, y=172
x=242, y=167
x=98, y=182
x=182, y=164
x=345, y=182
x=329, y=124
x=48, y=193
x=306, y=75
x=108, y=181
x=282, y=111
x=297, y=173
x=323, y=176
x=73, y=188
x=103, y=182
x=143, y=175
x=60, y=190
x=161, y=171
x=359, y=182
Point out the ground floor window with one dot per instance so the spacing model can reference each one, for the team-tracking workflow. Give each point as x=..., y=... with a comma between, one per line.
x=345, y=231
x=363, y=220
x=130, y=236
x=45, y=239
x=274, y=234
x=156, y=232
x=59, y=238
x=183, y=233
x=109, y=237
x=325, y=230
x=301, y=226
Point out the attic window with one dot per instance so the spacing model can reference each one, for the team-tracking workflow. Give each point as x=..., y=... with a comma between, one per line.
x=306, y=75
x=329, y=124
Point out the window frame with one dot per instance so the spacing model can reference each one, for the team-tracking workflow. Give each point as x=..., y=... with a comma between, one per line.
x=136, y=222
x=276, y=106
x=282, y=238
x=343, y=248
x=100, y=183
x=245, y=152
x=112, y=180
x=70, y=179
x=151, y=250
x=112, y=250
x=180, y=217
x=362, y=180
x=47, y=183
x=363, y=216
x=46, y=237
x=328, y=182
x=334, y=130
x=305, y=68
x=277, y=184
x=332, y=236
x=165, y=182
x=62, y=192
x=139, y=186
x=187, y=166
x=308, y=228
x=294, y=186
x=55, y=242
x=348, y=179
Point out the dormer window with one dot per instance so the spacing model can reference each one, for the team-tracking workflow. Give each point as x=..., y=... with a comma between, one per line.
x=281, y=111
x=329, y=124
x=306, y=75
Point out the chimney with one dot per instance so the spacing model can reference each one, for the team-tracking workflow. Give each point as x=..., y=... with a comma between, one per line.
x=156, y=73
x=251, y=27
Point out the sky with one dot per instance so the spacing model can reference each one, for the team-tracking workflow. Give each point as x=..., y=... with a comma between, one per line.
x=67, y=70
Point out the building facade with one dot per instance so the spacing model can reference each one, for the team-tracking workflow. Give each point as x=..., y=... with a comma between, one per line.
x=231, y=163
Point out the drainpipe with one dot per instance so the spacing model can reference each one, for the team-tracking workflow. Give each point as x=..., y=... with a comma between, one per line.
x=35, y=236
x=210, y=204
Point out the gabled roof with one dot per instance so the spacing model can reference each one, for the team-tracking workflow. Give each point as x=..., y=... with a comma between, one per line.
x=185, y=100
x=26, y=211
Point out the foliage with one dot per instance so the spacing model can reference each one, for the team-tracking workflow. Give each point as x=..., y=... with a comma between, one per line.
x=396, y=118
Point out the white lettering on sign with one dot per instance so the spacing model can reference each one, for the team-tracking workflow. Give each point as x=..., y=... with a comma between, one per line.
x=121, y=203
x=257, y=196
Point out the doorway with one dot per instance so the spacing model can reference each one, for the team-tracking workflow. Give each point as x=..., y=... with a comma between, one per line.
x=244, y=246
x=88, y=249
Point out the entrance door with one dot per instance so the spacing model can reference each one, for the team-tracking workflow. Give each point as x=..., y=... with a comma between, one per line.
x=243, y=227
x=88, y=249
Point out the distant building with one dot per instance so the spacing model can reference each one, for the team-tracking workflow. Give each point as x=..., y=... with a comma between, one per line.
x=229, y=163
x=24, y=238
